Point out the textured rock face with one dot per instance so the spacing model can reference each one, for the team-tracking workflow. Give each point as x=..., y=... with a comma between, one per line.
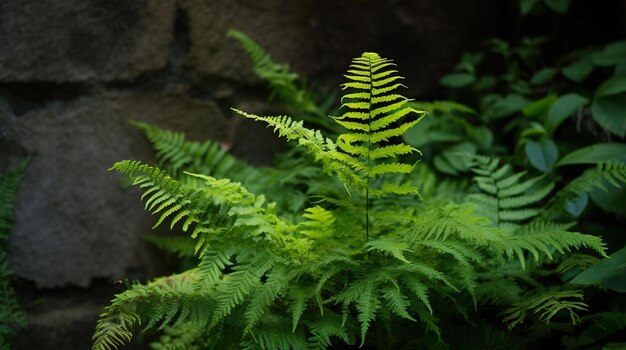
x=79, y=40
x=75, y=221
x=319, y=37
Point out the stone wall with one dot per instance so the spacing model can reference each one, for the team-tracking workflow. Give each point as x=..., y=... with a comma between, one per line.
x=72, y=72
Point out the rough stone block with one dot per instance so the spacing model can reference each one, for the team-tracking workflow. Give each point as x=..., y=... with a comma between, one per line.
x=81, y=40
x=319, y=37
x=74, y=222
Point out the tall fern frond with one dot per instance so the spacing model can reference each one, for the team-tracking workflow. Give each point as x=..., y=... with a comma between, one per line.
x=374, y=114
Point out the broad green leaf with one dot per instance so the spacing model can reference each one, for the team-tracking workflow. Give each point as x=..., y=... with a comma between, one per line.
x=486, y=82
x=539, y=109
x=612, y=201
x=457, y=80
x=502, y=107
x=579, y=70
x=620, y=68
x=599, y=153
x=612, y=86
x=542, y=154
x=526, y=6
x=611, y=55
x=564, y=107
x=608, y=272
x=543, y=76
x=559, y=6
x=468, y=62
x=446, y=136
x=482, y=136
x=443, y=165
x=577, y=205
x=610, y=113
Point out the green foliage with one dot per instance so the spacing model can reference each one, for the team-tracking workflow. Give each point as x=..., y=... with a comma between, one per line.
x=607, y=273
x=505, y=198
x=283, y=83
x=11, y=314
x=599, y=326
x=283, y=183
x=605, y=176
x=375, y=264
x=559, y=114
x=546, y=306
x=281, y=80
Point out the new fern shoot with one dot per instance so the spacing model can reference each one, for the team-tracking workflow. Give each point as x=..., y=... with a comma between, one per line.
x=356, y=269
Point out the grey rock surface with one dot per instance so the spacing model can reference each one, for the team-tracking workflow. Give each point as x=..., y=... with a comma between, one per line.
x=319, y=37
x=80, y=40
x=65, y=319
x=74, y=220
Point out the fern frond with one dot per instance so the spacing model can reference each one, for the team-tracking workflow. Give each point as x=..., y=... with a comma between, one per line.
x=282, y=81
x=576, y=261
x=367, y=304
x=217, y=207
x=264, y=297
x=318, y=224
x=397, y=302
x=388, y=245
x=274, y=334
x=166, y=301
x=546, y=243
x=240, y=283
x=298, y=303
x=175, y=153
x=506, y=199
x=546, y=306
x=322, y=149
x=462, y=222
x=327, y=326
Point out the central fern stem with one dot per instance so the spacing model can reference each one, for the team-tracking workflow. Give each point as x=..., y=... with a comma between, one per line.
x=369, y=150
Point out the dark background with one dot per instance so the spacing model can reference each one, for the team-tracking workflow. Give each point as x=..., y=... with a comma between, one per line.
x=72, y=72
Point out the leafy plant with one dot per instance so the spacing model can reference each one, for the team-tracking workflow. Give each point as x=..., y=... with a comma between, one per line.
x=367, y=266
x=559, y=117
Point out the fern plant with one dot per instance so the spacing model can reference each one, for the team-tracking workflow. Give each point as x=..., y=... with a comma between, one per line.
x=355, y=269
x=522, y=205
x=284, y=83
x=12, y=316
x=286, y=182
